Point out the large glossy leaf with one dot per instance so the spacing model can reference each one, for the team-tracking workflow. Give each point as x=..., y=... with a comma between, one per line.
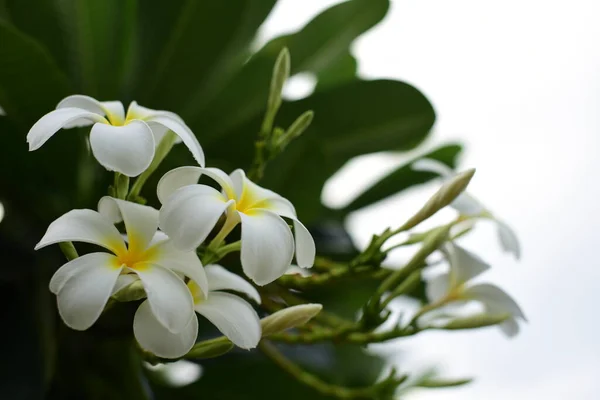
x=43, y=21
x=207, y=43
x=30, y=82
x=341, y=70
x=100, y=41
x=402, y=178
x=314, y=48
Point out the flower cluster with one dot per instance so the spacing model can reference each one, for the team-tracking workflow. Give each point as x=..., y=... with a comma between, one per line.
x=158, y=254
x=449, y=291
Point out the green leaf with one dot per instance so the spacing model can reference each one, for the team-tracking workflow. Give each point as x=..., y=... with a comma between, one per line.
x=30, y=82
x=403, y=178
x=45, y=25
x=207, y=44
x=100, y=38
x=314, y=48
x=343, y=69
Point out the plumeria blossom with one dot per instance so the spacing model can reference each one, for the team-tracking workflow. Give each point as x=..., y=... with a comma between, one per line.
x=122, y=142
x=231, y=314
x=468, y=205
x=453, y=287
x=84, y=285
x=190, y=211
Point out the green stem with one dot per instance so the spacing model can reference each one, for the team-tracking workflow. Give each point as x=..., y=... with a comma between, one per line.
x=214, y=256
x=164, y=147
x=228, y=226
x=333, y=275
x=311, y=380
x=121, y=185
x=68, y=250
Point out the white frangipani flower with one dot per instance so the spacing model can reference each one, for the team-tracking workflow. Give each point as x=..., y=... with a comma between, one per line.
x=452, y=288
x=84, y=285
x=120, y=142
x=468, y=205
x=231, y=314
x=190, y=211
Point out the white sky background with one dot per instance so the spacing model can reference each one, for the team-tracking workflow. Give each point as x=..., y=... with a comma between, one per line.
x=519, y=83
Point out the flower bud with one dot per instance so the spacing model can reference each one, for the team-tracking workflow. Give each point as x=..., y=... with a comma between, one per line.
x=288, y=318
x=443, y=197
x=281, y=72
x=296, y=129
x=210, y=348
x=477, y=321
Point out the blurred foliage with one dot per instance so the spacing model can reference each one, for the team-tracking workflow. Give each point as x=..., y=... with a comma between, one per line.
x=195, y=58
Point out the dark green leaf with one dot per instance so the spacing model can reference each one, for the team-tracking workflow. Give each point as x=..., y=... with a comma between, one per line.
x=340, y=71
x=207, y=44
x=44, y=25
x=403, y=177
x=313, y=48
x=30, y=82
x=100, y=41
x=355, y=118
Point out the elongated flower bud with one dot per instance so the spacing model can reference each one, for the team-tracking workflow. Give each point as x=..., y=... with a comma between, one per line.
x=288, y=318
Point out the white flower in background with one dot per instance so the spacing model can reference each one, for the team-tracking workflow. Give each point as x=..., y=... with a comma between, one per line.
x=2, y=112
x=231, y=314
x=468, y=205
x=453, y=288
x=190, y=211
x=84, y=285
x=120, y=142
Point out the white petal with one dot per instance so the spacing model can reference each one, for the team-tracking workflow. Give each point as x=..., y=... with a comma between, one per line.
x=141, y=221
x=495, y=300
x=175, y=179
x=223, y=180
x=464, y=265
x=185, y=262
x=267, y=246
x=84, y=294
x=112, y=109
x=280, y=206
x=154, y=337
x=431, y=165
x=188, y=138
x=135, y=111
x=467, y=205
x=237, y=178
x=83, y=226
x=190, y=214
x=50, y=123
x=128, y=149
x=508, y=239
x=221, y=279
x=67, y=270
x=232, y=316
x=169, y=297
x=305, y=245
x=258, y=197
x=123, y=281
x=510, y=327
x=437, y=287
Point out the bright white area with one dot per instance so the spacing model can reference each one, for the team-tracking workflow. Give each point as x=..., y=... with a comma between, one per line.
x=519, y=83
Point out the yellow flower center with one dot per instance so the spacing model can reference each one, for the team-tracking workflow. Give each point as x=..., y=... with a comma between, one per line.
x=196, y=291
x=135, y=256
x=249, y=200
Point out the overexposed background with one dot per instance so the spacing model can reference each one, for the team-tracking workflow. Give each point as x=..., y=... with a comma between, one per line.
x=518, y=82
